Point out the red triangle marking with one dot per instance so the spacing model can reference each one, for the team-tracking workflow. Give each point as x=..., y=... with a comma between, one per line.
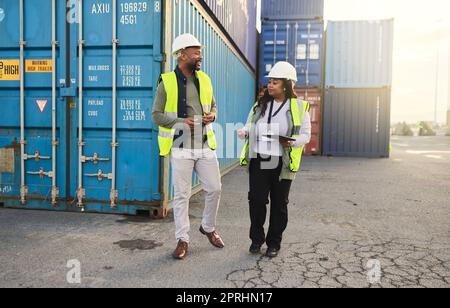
x=41, y=103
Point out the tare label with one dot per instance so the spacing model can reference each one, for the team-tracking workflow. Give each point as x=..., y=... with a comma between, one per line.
x=9, y=70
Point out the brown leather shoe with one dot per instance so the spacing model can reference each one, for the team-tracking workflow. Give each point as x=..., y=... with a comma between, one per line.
x=181, y=250
x=214, y=238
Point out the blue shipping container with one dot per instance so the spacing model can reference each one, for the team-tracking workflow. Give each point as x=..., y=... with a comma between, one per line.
x=357, y=122
x=297, y=42
x=292, y=9
x=239, y=20
x=33, y=155
x=359, y=54
x=98, y=150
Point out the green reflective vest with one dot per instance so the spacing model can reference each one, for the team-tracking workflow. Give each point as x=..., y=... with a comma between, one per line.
x=166, y=135
x=295, y=153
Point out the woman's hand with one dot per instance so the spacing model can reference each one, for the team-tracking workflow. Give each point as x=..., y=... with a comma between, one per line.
x=286, y=143
x=242, y=133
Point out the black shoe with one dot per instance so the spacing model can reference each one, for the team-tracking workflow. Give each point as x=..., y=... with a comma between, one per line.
x=255, y=249
x=272, y=252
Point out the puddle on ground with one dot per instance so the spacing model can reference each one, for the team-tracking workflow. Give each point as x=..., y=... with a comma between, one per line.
x=138, y=244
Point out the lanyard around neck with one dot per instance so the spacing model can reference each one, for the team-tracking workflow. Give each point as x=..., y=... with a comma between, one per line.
x=277, y=112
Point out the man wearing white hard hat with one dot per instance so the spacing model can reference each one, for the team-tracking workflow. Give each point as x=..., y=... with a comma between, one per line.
x=277, y=130
x=184, y=109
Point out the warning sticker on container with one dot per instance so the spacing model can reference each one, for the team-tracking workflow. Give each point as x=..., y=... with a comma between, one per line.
x=41, y=103
x=38, y=66
x=9, y=70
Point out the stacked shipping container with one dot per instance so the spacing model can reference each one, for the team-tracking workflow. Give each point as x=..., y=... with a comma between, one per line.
x=299, y=42
x=292, y=31
x=292, y=9
x=76, y=99
x=358, y=88
x=239, y=20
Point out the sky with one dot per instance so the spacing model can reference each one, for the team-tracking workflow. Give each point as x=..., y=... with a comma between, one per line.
x=422, y=32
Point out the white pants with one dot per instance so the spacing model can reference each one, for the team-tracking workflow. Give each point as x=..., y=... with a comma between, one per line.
x=204, y=163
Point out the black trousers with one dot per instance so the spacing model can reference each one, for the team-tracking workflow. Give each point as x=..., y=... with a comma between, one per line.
x=265, y=183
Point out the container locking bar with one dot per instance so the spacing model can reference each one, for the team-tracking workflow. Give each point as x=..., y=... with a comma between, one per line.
x=100, y=175
x=95, y=159
x=41, y=173
x=81, y=192
x=55, y=190
x=23, y=187
x=37, y=156
x=114, y=193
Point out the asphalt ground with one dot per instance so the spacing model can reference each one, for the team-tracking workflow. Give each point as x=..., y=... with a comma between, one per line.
x=352, y=223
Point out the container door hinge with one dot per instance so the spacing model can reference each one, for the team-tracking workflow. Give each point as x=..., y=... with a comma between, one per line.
x=160, y=58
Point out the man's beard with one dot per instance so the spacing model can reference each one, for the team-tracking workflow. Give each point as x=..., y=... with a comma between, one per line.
x=194, y=66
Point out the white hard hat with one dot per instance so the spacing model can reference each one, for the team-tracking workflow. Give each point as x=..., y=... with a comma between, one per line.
x=184, y=41
x=283, y=70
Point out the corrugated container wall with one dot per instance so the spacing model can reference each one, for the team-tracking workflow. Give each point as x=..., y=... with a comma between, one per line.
x=98, y=150
x=359, y=54
x=238, y=17
x=292, y=9
x=234, y=83
x=297, y=42
x=357, y=122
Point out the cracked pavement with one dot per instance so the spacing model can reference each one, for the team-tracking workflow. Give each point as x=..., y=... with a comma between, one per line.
x=345, y=263
x=352, y=223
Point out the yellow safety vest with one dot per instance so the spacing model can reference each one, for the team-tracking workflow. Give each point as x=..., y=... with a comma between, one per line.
x=295, y=153
x=166, y=135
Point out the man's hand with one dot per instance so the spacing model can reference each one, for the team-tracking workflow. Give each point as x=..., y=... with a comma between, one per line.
x=209, y=118
x=189, y=122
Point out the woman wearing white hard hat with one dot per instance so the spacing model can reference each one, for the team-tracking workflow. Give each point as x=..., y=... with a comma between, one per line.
x=277, y=130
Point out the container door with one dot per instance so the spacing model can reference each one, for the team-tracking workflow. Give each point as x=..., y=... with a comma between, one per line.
x=32, y=163
x=357, y=122
x=119, y=58
x=276, y=45
x=307, y=52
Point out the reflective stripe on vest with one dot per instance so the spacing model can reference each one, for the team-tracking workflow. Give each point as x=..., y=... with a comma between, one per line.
x=295, y=153
x=166, y=135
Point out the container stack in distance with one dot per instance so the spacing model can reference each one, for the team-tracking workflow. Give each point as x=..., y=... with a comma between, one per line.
x=292, y=31
x=448, y=108
x=358, y=88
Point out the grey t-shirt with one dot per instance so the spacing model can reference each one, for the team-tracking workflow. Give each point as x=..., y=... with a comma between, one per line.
x=193, y=109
